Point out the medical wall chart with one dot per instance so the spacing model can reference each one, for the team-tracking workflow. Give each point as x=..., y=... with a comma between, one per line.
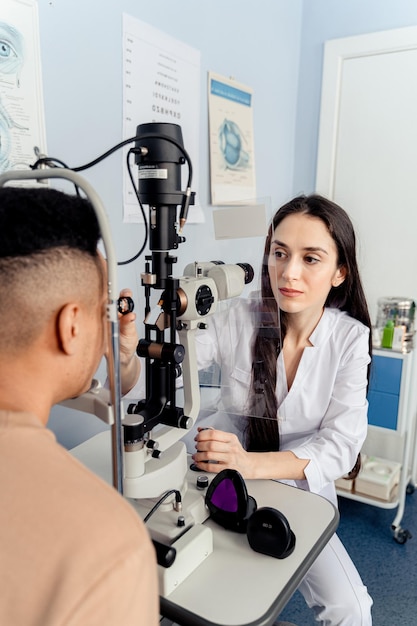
x=161, y=83
x=22, y=126
x=232, y=160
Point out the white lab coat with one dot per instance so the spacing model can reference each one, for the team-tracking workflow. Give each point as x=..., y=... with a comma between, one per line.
x=323, y=418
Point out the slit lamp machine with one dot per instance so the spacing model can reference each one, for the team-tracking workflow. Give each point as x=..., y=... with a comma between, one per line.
x=149, y=462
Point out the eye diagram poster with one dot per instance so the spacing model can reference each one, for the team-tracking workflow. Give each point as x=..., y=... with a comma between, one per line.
x=22, y=125
x=232, y=161
x=161, y=83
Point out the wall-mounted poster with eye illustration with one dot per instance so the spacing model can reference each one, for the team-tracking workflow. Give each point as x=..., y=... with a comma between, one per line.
x=22, y=127
x=232, y=160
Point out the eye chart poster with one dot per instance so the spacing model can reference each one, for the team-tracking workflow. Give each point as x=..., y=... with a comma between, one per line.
x=22, y=126
x=161, y=83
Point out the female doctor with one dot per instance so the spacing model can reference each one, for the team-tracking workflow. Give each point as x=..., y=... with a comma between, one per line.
x=297, y=364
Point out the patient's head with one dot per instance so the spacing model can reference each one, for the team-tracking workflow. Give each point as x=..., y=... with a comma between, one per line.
x=51, y=274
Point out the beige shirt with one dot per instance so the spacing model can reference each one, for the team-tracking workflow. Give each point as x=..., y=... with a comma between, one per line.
x=73, y=552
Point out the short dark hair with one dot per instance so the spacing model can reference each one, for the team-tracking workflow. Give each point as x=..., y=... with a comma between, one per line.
x=33, y=220
x=48, y=247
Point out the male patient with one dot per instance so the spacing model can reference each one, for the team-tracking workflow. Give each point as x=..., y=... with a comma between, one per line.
x=73, y=552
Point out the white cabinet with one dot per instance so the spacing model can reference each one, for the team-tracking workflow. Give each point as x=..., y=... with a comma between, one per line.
x=391, y=433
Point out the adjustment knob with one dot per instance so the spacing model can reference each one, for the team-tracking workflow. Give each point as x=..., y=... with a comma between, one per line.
x=202, y=482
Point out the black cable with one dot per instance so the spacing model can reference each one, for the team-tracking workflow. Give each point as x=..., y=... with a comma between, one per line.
x=161, y=500
x=129, y=169
x=141, y=138
x=105, y=155
x=51, y=162
x=48, y=161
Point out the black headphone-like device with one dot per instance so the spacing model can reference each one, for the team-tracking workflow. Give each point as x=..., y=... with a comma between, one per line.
x=230, y=506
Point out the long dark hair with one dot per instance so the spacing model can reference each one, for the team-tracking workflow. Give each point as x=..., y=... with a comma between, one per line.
x=263, y=434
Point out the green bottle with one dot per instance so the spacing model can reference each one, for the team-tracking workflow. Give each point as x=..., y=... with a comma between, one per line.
x=388, y=335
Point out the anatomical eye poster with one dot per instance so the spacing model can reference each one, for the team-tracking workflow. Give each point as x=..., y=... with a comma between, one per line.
x=22, y=125
x=232, y=160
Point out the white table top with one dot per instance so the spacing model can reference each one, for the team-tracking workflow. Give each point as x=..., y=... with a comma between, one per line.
x=236, y=586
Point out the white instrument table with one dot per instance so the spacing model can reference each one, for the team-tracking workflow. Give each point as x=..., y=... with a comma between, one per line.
x=236, y=586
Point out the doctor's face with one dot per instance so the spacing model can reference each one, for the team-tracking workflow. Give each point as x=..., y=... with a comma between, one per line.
x=302, y=264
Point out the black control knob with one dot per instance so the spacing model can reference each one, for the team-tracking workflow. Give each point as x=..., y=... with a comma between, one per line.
x=202, y=482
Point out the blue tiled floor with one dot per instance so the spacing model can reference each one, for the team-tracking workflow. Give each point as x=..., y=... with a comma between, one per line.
x=388, y=569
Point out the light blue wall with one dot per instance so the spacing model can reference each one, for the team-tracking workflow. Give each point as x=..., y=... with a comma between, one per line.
x=331, y=19
x=274, y=46
x=256, y=42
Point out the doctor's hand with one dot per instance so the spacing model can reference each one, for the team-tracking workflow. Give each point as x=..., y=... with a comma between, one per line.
x=130, y=365
x=223, y=450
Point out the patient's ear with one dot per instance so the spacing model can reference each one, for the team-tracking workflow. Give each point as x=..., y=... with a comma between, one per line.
x=68, y=327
